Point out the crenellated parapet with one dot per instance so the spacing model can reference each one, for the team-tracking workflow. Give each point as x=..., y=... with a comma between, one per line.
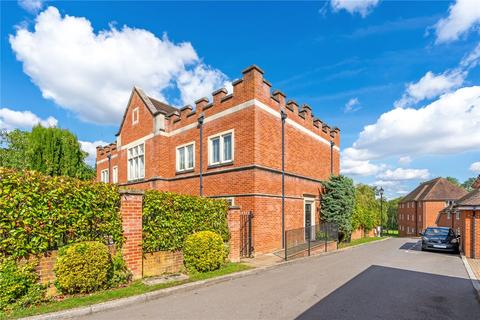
x=253, y=86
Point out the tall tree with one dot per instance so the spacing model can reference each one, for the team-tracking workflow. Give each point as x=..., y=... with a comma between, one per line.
x=367, y=208
x=52, y=151
x=338, y=203
x=392, y=209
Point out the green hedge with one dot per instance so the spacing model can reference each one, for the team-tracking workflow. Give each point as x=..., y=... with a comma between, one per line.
x=40, y=213
x=169, y=218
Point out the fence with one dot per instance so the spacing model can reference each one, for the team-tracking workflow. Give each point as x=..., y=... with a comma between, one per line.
x=305, y=241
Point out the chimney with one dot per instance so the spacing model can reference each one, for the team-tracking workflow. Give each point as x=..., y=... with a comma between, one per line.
x=476, y=184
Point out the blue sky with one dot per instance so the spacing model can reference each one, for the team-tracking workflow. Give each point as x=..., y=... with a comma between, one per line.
x=408, y=70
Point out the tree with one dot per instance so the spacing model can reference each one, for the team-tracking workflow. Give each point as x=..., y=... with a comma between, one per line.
x=52, y=151
x=454, y=181
x=392, y=209
x=338, y=203
x=468, y=183
x=367, y=209
x=14, y=149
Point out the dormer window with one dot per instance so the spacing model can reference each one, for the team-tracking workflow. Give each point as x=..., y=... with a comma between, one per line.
x=135, y=116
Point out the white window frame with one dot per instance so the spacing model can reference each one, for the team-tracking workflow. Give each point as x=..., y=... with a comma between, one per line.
x=130, y=174
x=177, y=157
x=135, y=114
x=115, y=174
x=449, y=215
x=104, y=176
x=457, y=215
x=222, y=151
x=230, y=200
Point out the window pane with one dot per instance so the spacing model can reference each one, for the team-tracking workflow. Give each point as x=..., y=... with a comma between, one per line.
x=181, y=164
x=227, y=147
x=141, y=167
x=190, y=156
x=140, y=149
x=135, y=168
x=130, y=169
x=215, y=150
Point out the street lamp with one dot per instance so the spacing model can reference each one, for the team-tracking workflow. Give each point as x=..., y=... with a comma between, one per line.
x=381, y=210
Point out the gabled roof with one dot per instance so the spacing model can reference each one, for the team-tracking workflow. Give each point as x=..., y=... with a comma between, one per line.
x=471, y=199
x=154, y=106
x=435, y=190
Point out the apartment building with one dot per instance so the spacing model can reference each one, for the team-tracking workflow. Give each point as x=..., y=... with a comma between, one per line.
x=231, y=148
x=419, y=209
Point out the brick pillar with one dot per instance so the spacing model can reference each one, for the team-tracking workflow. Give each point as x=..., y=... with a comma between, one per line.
x=131, y=210
x=234, y=228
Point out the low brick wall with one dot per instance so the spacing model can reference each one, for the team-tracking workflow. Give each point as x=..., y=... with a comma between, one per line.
x=360, y=233
x=161, y=262
x=45, y=266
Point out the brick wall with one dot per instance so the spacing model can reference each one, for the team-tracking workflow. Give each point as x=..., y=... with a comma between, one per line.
x=471, y=234
x=425, y=213
x=162, y=262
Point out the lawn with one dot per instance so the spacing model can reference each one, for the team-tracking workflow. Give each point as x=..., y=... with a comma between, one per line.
x=134, y=288
x=359, y=241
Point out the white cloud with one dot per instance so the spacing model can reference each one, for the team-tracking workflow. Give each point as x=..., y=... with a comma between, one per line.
x=92, y=73
x=32, y=6
x=362, y=7
x=463, y=16
x=91, y=149
x=405, y=160
x=400, y=174
x=11, y=119
x=475, y=167
x=352, y=105
x=359, y=167
x=449, y=124
x=431, y=86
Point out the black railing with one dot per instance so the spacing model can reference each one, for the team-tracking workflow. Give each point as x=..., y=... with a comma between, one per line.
x=305, y=241
x=246, y=245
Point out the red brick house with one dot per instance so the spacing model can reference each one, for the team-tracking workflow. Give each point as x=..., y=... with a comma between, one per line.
x=229, y=148
x=466, y=211
x=419, y=209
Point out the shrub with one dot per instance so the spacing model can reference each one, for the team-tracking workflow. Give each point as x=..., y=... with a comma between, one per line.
x=41, y=213
x=169, y=218
x=120, y=273
x=204, y=251
x=83, y=267
x=19, y=287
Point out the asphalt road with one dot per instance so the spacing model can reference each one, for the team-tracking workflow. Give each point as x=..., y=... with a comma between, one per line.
x=391, y=279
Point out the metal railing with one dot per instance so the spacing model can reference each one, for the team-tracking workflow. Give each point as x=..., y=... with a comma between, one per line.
x=317, y=238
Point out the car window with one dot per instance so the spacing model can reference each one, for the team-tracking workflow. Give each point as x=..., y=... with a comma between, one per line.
x=436, y=232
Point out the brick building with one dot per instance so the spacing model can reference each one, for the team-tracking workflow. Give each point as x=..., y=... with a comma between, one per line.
x=229, y=148
x=464, y=217
x=419, y=209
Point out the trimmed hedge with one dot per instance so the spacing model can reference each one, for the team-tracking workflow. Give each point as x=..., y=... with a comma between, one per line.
x=83, y=267
x=40, y=213
x=204, y=251
x=168, y=218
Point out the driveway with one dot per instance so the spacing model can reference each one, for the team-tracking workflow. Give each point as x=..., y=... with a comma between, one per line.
x=390, y=279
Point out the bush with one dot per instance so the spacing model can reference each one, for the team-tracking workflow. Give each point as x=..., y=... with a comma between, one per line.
x=19, y=287
x=83, y=267
x=204, y=251
x=41, y=213
x=169, y=218
x=120, y=273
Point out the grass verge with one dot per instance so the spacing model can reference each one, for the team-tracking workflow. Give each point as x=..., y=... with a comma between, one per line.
x=358, y=241
x=135, y=288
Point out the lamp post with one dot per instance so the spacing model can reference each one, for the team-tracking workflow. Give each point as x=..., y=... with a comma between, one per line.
x=283, y=116
x=381, y=211
x=200, y=126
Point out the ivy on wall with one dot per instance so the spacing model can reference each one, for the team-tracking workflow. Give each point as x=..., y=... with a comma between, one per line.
x=168, y=218
x=40, y=213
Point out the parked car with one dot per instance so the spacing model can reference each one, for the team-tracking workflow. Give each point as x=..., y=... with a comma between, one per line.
x=441, y=239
